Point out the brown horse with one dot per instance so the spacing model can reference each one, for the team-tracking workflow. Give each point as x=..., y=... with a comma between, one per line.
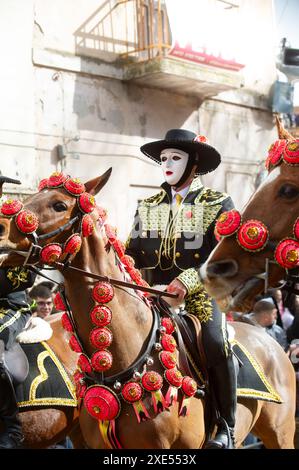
x=235, y=275
x=131, y=327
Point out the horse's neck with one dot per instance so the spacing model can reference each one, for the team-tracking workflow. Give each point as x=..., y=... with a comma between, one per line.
x=131, y=318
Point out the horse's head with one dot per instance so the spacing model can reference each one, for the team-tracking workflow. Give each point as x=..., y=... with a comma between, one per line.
x=262, y=243
x=46, y=223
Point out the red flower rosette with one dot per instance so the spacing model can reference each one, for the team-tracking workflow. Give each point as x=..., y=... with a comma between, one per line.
x=291, y=152
x=101, y=361
x=189, y=388
x=11, y=207
x=87, y=225
x=42, y=184
x=101, y=315
x=58, y=302
x=168, y=325
x=66, y=323
x=253, y=235
x=275, y=153
x=228, y=223
x=102, y=292
x=102, y=403
x=153, y=382
x=50, y=253
x=74, y=344
x=200, y=138
x=86, y=203
x=287, y=253
x=175, y=379
x=168, y=343
x=56, y=180
x=296, y=228
x=100, y=338
x=132, y=393
x=26, y=221
x=74, y=186
x=216, y=235
x=72, y=244
x=84, y=364
x=168, y=359
x=80, y=384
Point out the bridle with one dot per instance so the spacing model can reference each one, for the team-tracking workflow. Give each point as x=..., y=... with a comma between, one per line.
x=60, y=255
x=254, y=236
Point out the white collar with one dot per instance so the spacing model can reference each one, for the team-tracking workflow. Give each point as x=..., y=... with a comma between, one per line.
x=183, y=192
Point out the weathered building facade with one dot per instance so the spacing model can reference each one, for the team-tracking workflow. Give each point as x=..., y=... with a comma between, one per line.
x=84, y=83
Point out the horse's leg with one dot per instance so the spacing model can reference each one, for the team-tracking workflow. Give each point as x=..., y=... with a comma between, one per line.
x=247, y=414
x=276, y=426
x=45, y=427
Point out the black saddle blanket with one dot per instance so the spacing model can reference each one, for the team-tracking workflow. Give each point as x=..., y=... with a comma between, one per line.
x=47, y=383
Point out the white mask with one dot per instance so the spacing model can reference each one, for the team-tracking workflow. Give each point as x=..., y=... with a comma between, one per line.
x=173, y=162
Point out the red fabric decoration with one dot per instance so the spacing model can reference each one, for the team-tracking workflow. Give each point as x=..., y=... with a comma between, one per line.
x=58, y=302
x=26, y=221
x=74, y=344
x=80, y=384
x=56, y=179
x=135, y=275
x=128, y=262
x=101, y=361
x=74, y=186
x=42, y=184
x=131, y=392
x=101, y=213
x=253, y=235
x=84, y=364
x=291, y=153
x=103, y=292
x=102, y=403
x=200, y=138
x=110, y=232
x=174, y=377
x=72, y=244
x=228, y=223
x=189, y=386
x=119, y=247
x=167, y=359
x=86, y=203
x=100, y=338
x=152, y=381
x=66, y=323
x=287, y=253
x=50, y=253
x=296, y=228
x=275, y=153
x=168, y=325
x=101, y=315
x=11, y=207
x=87, y=225
x=168, y=343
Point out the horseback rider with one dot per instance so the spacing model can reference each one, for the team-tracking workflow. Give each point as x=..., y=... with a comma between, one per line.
x=172, y=236
x=14, y=314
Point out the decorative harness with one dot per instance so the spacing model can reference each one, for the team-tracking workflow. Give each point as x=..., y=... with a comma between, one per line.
x=253, y=235
x=101, y=395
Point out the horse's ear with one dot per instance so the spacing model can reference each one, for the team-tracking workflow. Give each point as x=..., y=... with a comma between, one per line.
x=282, y=132
x=95, y=185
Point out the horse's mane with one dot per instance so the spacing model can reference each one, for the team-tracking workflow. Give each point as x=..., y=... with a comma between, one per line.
x=282, y=132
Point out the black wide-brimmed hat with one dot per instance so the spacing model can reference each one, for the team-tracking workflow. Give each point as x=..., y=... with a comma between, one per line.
x=206, y=157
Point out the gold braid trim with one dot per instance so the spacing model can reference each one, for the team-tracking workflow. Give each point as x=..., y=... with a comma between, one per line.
x=15, y=317
x=190, y=279
x=200, y=304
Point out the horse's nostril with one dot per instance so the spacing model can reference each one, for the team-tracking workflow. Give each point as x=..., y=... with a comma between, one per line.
x=225, y=268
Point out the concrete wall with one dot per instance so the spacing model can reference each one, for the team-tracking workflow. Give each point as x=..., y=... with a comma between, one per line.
x=54, y=92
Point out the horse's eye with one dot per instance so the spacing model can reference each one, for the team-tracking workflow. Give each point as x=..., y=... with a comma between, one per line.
x=60, y=206
x=288, y=191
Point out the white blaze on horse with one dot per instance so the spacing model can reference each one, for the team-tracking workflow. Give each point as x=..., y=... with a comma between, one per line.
x=134, y=392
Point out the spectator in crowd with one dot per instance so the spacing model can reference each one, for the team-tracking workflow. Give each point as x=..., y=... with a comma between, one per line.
x=264, y=315
x=43, y=298
x=286, y=315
